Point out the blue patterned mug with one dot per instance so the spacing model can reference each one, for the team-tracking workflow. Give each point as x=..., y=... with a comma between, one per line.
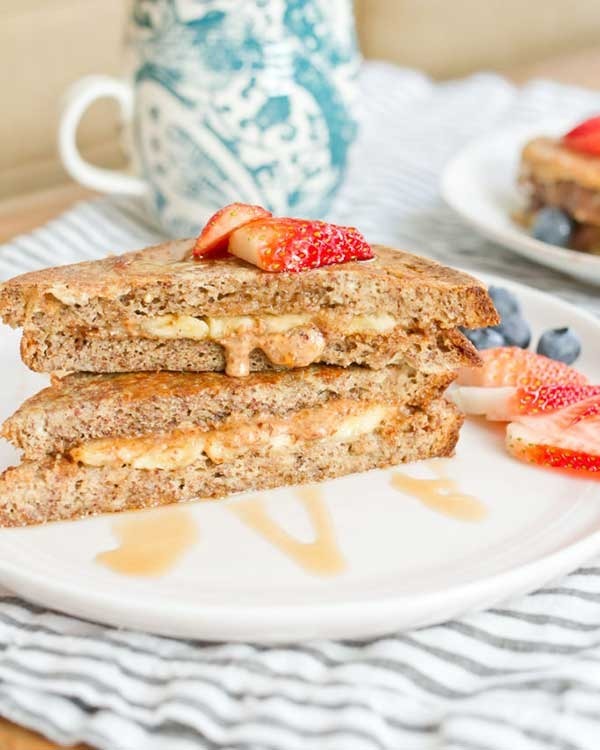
x=229, y=100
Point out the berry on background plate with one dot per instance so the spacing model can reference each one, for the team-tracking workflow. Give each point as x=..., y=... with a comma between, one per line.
x=553, y=226
x=585, y=137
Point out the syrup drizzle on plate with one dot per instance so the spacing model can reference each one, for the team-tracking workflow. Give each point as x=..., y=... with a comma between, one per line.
x=322, y=556
x=440, y=494
x=150, y=542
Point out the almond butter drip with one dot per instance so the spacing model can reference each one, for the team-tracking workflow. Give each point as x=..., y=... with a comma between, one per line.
x=441, y=495
x=296, y=348
x=322, y=556
x=150, y=542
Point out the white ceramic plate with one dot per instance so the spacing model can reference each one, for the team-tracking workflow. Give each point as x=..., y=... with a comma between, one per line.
x=406, y=565
x=480, y=184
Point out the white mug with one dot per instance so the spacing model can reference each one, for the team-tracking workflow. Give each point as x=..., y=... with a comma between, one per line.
x=228, y=101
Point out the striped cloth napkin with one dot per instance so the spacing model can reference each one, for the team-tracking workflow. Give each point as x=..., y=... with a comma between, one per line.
x=525, y=676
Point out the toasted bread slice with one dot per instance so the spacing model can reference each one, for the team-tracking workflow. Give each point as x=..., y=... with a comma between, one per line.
x=435, y=351
x=159, y=309
x=122, y=290
x=57, y=488
x=83, y=407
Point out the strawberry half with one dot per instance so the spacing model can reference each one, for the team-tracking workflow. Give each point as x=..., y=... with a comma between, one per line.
x=293, y=245
x=567, y=439
x=212, y=240
x=509, y=403
x=525, y=445
x=585, y=137
x=512, y=366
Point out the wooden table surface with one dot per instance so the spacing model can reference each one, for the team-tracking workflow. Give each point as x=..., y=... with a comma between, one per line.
x=24, y=213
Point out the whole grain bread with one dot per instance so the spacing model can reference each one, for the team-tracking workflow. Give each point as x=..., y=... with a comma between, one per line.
x=434, y=351
x=56, y=488
x=163, y=279
x=81, y=407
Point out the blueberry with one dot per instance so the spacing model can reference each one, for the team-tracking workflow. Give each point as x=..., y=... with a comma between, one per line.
x=553, y=226
x=515, y=330
x=484, y=338
x=504, y=301
x=560, y=344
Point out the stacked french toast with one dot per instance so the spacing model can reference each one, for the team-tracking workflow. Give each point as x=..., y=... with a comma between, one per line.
x=266, y=352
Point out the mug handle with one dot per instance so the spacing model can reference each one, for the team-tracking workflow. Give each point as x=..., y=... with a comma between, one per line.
x=78, y=99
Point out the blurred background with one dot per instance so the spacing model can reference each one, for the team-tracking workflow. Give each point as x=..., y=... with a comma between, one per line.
x=47, y=44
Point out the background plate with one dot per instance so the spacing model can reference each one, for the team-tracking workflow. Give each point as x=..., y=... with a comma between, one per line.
x=480, y=184
x=406, y=565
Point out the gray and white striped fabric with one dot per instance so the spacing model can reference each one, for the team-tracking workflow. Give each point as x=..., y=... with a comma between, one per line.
x=522, y=677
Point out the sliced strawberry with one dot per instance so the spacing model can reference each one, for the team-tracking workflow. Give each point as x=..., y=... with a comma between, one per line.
x=576, y=427
x=294, y=245
x=585, y=137
x=213, y=238
x=550, y=398
x=568, y=438
x=526, y=444
x=512, y=366
x=507, y=403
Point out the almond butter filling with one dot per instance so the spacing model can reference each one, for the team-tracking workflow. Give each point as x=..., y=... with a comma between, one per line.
x=343, y=419
x=287, y=340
